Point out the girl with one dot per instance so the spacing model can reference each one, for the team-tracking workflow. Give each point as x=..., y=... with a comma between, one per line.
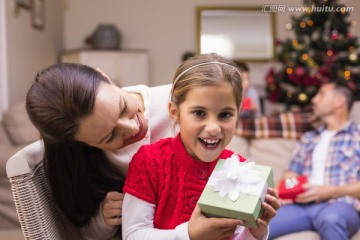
x=166, y=179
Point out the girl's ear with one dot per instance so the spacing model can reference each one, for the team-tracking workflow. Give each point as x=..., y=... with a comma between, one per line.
x=173, y=111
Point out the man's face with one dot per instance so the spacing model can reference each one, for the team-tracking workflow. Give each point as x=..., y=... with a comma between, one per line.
x=324, y=101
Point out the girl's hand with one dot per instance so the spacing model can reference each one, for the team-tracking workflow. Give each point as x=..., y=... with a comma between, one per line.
x=270, y=206
x=201, y=227
x=111, y=208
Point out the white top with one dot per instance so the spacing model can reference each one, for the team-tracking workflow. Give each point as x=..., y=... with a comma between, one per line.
x=138, y=216
x=253, y=94
x=319, y=156
x=156, y=112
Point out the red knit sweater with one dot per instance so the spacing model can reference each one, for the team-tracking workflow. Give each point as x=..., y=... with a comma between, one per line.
x=164, y=174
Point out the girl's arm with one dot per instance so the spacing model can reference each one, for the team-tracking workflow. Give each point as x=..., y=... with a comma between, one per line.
x=242, y=232
x=138, y=218
x=137, y=222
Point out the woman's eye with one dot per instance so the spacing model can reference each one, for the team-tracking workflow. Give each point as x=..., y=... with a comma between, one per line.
x=124, y=109
x=111, y=137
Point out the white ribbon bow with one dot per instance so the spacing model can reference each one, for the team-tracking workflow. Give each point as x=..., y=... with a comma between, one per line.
x=236, y=179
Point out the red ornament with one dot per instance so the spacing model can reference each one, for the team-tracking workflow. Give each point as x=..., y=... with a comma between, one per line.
x=300, y=71
x=310, y=81
x=348, y=35
x=270, y=79
x=352, y=85
x=278, y=42
x=295, y=79
x=334, y=36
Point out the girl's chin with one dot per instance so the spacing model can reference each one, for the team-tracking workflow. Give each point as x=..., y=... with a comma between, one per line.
x=208, y=158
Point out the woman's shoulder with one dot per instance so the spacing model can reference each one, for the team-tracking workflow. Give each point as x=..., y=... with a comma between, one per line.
x=161, y=89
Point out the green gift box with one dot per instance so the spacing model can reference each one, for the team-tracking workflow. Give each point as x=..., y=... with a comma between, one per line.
x=246, y=207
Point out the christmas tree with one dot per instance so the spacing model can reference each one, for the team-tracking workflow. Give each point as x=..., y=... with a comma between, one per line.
x=323, y=49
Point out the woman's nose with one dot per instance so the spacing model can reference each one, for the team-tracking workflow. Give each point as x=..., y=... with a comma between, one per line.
x=128, y=126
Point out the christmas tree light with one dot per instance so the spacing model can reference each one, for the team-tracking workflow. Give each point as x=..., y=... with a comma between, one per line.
x=323, y=48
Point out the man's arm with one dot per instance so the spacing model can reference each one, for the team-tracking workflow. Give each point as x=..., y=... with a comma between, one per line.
x=323, y=193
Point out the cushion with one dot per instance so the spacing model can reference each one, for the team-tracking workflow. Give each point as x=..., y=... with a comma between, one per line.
x=290, y=125
x=4, y=138
x=239, y=145
x=274, y=152
x=18, y=125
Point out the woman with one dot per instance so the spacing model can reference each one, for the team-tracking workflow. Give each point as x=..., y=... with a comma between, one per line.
x=89, y=125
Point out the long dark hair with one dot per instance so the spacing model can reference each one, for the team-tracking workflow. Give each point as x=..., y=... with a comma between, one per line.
x=79, y=175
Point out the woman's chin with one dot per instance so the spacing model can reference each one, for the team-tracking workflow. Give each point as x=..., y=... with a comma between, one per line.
x=139, y=136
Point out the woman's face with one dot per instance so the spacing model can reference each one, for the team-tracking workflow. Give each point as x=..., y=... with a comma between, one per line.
x=116, y=121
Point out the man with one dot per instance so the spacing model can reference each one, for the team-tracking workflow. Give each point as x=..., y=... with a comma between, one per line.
x=330, y=158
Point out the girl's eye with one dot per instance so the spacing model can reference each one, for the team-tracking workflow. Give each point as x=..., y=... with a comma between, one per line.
x=199, y=113
x=225, y=115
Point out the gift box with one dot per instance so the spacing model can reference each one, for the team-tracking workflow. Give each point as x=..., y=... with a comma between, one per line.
x=289, y=188
x=236, y=190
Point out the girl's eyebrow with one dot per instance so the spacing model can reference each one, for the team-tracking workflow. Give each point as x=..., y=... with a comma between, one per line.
x=120, y=110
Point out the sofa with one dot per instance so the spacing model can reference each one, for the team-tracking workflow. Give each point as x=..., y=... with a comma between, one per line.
x=16, y=131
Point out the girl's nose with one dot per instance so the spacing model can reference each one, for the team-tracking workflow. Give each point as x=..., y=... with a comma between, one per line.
x=213, y=127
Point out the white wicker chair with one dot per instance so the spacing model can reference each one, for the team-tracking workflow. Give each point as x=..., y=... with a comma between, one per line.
x=38, y=214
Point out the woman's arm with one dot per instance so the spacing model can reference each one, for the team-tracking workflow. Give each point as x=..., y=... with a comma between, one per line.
x=97, y=228
x=105, y=223
x=138, y=218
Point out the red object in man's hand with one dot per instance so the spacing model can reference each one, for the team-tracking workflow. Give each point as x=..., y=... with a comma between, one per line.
x=289, y=188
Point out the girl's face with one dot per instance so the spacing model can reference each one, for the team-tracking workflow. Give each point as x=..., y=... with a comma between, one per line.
x=207, y=120
x=116, y=121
